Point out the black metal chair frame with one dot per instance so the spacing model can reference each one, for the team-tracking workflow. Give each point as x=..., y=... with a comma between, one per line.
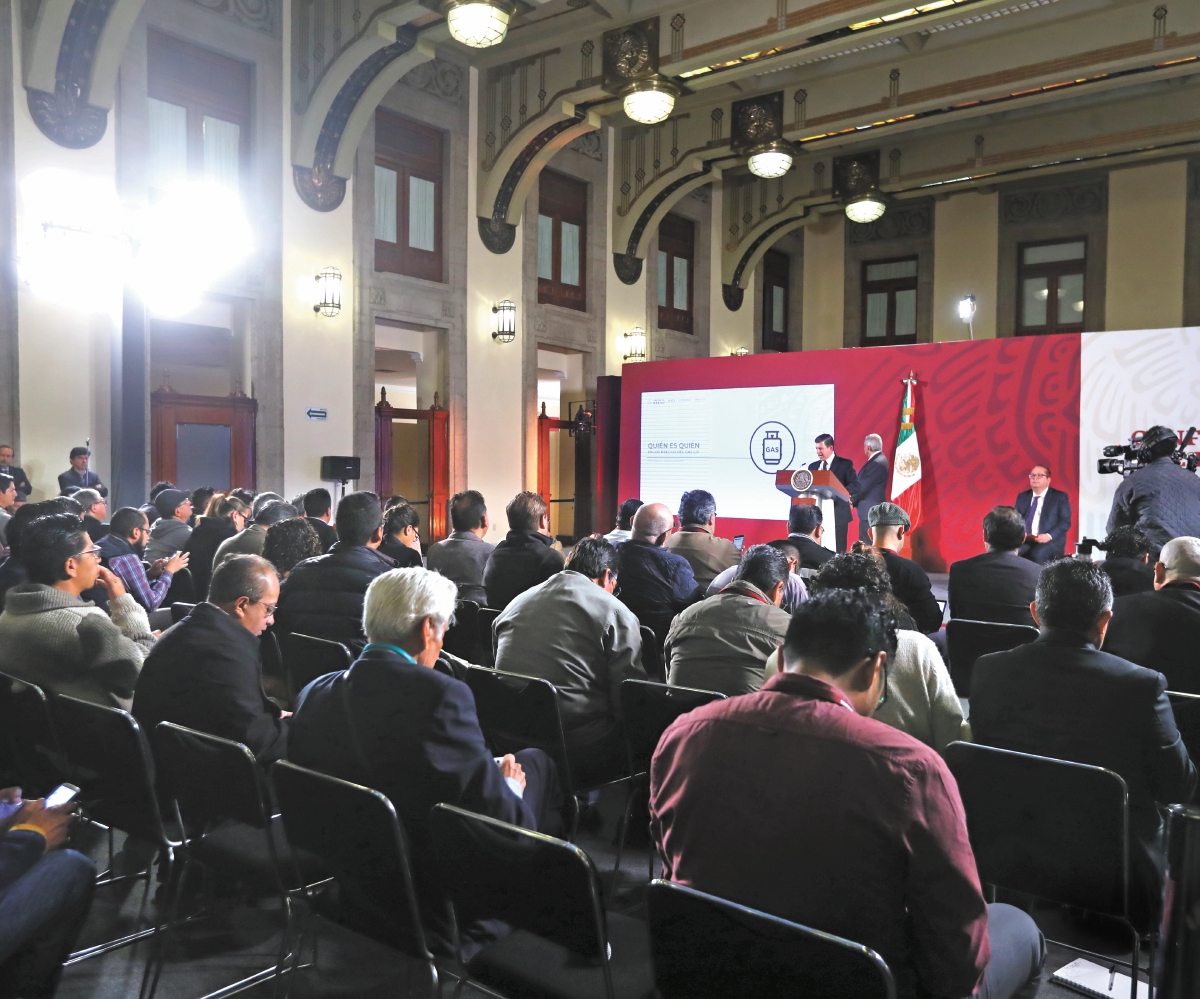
x=660, y=893
x=487, y=636
x=652, y=655
x=956, y=749
x=326, y=648
x=960, y=674
x=46, y=753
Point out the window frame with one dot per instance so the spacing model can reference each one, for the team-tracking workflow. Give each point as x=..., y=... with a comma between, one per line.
x=563, y=198
x=677, y=239
x=890, y=286
x=776, y=273
x=1052, y=272
x=411, y=149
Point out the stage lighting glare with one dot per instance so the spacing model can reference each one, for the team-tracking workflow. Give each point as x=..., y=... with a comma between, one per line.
x=650, y=101
x=771, y=160
x=866, y=207
x=966, y=309
x=479, y=24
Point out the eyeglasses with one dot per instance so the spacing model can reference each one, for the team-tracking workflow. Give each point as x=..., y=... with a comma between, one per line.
x=94, y=551
x=269, y=608
x=883, y=696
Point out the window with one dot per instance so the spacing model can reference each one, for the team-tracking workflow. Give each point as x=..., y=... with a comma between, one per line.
x=676, y=237
x=889, y=302
x=408, y=197
x=199, y=114
x=775, y=267
x=1050, y=287
x=562, y=241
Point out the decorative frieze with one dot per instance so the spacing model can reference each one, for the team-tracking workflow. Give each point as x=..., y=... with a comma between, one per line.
x=1053, y=203
x=898, y=222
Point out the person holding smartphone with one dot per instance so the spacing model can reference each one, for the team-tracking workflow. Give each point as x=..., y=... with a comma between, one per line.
x=45, y=891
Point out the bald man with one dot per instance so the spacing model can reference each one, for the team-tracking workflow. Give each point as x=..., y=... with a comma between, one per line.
x=1158, y=629
x=656, y=584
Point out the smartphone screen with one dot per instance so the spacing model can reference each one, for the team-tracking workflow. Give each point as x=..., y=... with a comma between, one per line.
x=738, y=541
x=8, y=808
x=61, y=795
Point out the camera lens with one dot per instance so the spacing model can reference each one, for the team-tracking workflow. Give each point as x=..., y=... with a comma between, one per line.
x=1114, y=450
x=1108, y=466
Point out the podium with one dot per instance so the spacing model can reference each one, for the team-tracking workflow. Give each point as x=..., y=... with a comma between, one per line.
x=821, y=488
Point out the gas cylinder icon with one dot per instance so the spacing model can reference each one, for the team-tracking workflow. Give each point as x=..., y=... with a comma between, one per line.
x=772, y=448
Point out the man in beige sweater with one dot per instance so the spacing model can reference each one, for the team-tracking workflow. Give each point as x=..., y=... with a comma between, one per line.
x=65, y=645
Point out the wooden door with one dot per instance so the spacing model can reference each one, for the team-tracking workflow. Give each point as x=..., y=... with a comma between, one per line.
x=190, y=435
x=437, y=421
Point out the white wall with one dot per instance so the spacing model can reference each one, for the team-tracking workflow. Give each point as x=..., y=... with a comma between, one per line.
x=824, y=282
x=966, y=248
x=727, y=330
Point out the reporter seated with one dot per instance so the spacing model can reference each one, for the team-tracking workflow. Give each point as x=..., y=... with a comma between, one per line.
x=205, y=673
x=794, y=590
x=889, y=525
x=997, y=585
x=122, y=551
x=45, y=893
x=65, y=645
x=696, y=538
x=526, y=556
x=290, y=542
x=224, y=516
x=656, y=584
x=394, y=723
x=1127, y=562
x=251, y=539
x=401, y=543
x=723, y=642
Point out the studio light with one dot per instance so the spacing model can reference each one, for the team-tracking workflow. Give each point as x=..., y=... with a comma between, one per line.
x=650, y=101
x=966, y=312
x=329, y=292
x=771, y=160
x=739, y=352
x=479, y=23
x=635, y=344
x=506, y=322
x=866, y=207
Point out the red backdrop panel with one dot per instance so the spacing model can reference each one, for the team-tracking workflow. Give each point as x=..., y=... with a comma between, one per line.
x=986, y=411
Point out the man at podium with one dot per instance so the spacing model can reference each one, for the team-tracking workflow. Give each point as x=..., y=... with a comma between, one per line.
x=843, y=470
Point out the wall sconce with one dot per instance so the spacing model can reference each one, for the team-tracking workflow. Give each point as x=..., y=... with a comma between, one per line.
x=329, y=292
x=635, y=344
x=506, y=322
x=739, y=352
x=966, y=312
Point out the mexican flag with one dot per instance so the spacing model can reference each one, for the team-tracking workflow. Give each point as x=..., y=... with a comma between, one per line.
x=906, y=465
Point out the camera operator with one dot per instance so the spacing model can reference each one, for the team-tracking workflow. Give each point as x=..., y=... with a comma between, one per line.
x=1161, y=499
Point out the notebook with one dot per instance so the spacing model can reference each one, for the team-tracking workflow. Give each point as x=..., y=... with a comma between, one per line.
x=1093, y=980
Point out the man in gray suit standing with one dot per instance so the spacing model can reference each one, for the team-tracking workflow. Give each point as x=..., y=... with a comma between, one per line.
x=872, y=481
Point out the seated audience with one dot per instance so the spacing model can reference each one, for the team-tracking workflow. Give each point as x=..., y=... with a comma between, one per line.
x=708, y=555
x=656, y=584
x=244, y=494
x=318, y=507
x=79, y=475
x=45, y=894
x=289, y=543
x=525, y=557
x=854, y=828
x=253, y=537
x=921, y=698
x=8, y=503
x=15, y=472
x=1159, y=629
x=12, y=569
x=572, y=631
x=94, y=512
x=1127, y=561
x=170, y=532
x=722, y=643
x=323, y=596
x=48, y=636
x=624, y=529
x=149, y=509
x=889, y=524
x=400, y=540
x=794, y=590
x=396, y=724
x=461, y=558
x=205, y=673
x=806, y=529
x=223, y=518
x=1060, y=697
x=997, y=585
x=121, y=551
x=201, y=497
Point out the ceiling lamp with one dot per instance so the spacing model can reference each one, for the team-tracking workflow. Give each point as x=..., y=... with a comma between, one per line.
x=771, y=159
x=479, y=23
x=866, y=207
x=650, y=101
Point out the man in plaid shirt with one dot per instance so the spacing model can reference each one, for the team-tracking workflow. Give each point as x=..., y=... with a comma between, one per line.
x=121, y=551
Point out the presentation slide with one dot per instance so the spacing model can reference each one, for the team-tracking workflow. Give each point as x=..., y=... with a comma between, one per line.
x=731, y=442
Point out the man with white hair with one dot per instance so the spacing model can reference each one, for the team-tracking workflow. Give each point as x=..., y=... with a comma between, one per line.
x=1158, y=629
x=872, y=483
x=396, y=724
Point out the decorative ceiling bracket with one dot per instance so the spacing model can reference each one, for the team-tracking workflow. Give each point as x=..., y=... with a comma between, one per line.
x=745, y=258
x=73, y=52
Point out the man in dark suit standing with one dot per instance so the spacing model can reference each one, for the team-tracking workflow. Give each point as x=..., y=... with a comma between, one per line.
x=1047, y=514
x=79, y=476
x=1061, y=697
x=872, y=483
x=15, y=472
x=998, y=585
x=843, y=471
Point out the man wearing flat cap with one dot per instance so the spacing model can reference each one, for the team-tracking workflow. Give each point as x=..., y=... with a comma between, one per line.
x=79, y=476
x=889, y=524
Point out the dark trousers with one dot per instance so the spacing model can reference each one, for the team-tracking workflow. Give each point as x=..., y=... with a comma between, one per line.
x=1018, y=952
x=543, y=793
x=1040, y=553
x=41, y=914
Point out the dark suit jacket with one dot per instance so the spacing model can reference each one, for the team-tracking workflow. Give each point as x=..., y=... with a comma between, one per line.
x=202, y=545
x=656, y=584
x=323, y=596
x=1128, y=575
x=204, y=672
x=911, y=586
x=872, y=484
x=994, y=586
x=71, y=478
x=1055, y=519
x=420, y=737
x=325, y=532
x=1158, y=630
x=518, y=563
x=1060, y=697
x=812, y=555
x=20, y=479
x=400, y=553
x=843, y=471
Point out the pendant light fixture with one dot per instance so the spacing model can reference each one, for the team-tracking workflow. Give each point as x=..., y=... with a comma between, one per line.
x=771, y=160
x=479, y=24
x=650, y=101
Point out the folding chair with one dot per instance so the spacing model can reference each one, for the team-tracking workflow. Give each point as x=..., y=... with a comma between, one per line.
x=967, y=640
x=32, y=740
x=462, y=637
x=1179, y=971
x=548, y=891
x=1052, y=829
x=1186, y=708
x=357, y=835
x=180, y=610
x=487, y=637
x=305, y=658
x=652, y=656
x=705, y=946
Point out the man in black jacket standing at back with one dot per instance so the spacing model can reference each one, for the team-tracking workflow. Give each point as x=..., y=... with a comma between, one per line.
x=998, y=585
x=323, y=596
x=843, y=471
x=525, y=557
